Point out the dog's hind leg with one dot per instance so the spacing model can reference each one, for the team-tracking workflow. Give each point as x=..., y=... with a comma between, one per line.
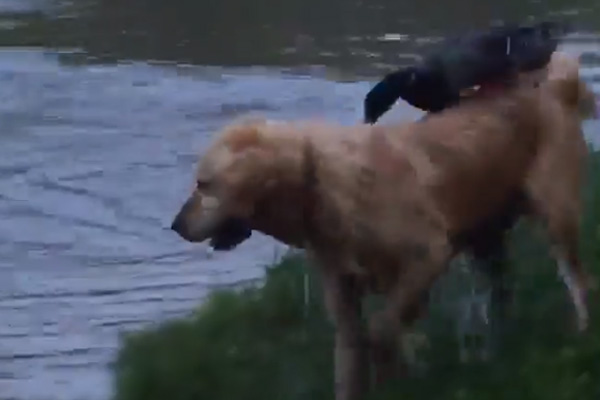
x=492, y=260
x=387, y=329
x=564, y=236
x=560, y=212
x=554, y=188
x=573, y=276
x=405, y=299
x=487, y=246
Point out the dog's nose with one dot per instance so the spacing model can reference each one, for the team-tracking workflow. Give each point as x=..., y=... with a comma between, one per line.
x=177, y=224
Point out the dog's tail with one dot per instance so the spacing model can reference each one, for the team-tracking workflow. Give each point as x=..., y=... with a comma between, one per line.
x=563, y=74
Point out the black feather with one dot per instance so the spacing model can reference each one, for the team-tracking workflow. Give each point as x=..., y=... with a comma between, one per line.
x=495, y=55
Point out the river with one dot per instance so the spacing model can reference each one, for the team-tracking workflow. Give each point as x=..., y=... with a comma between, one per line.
x=97, y=155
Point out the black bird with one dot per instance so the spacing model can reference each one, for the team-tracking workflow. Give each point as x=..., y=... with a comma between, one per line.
x=495, y=55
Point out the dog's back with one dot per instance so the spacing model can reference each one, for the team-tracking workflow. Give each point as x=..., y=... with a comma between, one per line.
x=472, y=158
x=402, y=183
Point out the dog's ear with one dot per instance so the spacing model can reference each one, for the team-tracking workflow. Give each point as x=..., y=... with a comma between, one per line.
x=245, y=134
x=250, y=151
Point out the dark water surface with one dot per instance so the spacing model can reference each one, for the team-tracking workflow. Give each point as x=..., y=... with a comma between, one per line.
x=96, y=155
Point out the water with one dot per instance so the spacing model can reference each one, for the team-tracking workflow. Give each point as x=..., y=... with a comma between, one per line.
x=94, y=161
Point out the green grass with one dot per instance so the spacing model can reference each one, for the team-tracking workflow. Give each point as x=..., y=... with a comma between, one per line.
x=269, y=343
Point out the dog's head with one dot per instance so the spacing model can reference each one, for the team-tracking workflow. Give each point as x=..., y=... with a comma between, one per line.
x=230, y=178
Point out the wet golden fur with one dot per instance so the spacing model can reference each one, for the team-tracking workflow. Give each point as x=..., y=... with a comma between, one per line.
x=377, y=207
x=562, y=66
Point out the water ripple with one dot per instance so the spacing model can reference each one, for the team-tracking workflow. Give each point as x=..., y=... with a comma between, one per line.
x=94, y=161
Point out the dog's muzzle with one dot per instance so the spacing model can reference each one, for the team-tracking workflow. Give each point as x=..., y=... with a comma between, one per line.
x=180, y=227
x=223, y=232
x=184, y=229
x=227, y=235
x=195, y=222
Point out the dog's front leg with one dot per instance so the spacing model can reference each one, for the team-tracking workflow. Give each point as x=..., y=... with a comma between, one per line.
x=343, y=297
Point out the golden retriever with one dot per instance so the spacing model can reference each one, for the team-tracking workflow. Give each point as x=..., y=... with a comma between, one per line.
x=378, y=208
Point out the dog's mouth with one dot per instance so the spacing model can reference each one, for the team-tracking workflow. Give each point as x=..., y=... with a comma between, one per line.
x=223, y=232
x=229, y=234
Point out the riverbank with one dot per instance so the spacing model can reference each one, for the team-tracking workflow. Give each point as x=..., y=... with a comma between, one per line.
x=274, y=342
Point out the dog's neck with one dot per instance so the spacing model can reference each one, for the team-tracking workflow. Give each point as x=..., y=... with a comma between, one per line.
x=287, y=212
x=303, y=168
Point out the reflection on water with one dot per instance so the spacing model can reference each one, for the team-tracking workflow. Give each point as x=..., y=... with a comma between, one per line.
x=95, y=159
x=358, y=36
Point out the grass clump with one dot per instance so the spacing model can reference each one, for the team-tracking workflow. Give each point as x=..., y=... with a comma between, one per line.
x=258, y=343
x=274, y=342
